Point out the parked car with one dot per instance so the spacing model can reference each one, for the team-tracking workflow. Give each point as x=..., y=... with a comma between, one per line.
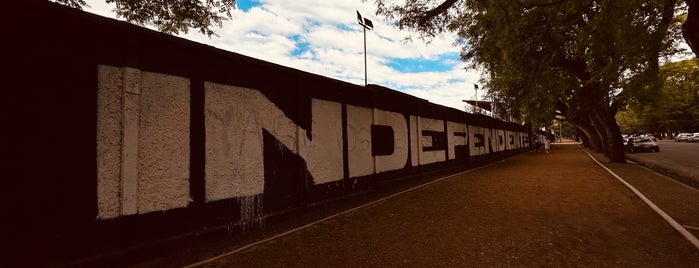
x=650, y=136
x=683, y=136
x=694, y=137
x=642, y=145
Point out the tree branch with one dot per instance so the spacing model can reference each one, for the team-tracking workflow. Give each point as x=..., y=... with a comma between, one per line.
x=539, y=5
x=443, y=7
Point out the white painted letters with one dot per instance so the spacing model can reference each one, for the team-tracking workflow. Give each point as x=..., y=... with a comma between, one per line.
x=399, y=158
x=143, y=141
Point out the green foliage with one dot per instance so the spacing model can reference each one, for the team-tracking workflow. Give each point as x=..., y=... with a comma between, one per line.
x=567, y=130
x=72, y=3
x=581, y=59
x=170, y=16
x=630, y=123
x=539, y=53
x=675, y=107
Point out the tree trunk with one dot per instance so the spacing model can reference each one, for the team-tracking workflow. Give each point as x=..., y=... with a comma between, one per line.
x=582, y=136
x=690, y=28
x=600, y=115
x=598, y=128
x=614, y=144
x=616, y=152
x=589, y=134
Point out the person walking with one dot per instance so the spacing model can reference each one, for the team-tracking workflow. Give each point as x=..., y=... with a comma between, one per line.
x=547, y=145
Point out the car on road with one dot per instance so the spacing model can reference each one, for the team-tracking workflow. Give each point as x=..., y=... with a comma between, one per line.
x=694, y=137
x=683, y=137
x=639, y=144
x=650, y=136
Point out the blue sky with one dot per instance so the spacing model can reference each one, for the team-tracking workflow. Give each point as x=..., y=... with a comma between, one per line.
x=442, y=63
x=323, y=37
x=245, y=5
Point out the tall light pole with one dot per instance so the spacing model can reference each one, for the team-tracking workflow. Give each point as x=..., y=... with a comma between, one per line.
x=476, y=88
x=366, y=24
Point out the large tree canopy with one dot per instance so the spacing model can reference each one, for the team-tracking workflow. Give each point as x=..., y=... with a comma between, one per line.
x=675, y=110
x=170, y=16
x=582, y=60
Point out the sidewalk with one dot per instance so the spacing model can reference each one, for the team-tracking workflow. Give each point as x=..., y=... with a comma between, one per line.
x=534, y=209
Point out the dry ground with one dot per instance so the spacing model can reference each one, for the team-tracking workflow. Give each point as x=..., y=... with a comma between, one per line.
x=531, y=210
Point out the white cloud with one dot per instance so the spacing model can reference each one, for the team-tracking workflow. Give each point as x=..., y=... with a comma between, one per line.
x=277, y=30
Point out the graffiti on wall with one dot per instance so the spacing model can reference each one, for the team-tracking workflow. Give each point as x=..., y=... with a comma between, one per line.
x=143, y=141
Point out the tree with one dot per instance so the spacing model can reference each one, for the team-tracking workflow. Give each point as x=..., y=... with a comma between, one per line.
x=170, y=16
x=630, y=122
x=680, y=106
x=690, y=29
x=582, y=60
x=676, y=109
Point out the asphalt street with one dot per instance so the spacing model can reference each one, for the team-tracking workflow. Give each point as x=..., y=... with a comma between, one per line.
x=679, y=160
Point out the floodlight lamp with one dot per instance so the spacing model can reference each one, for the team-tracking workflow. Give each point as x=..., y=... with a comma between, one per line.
x=368, y=24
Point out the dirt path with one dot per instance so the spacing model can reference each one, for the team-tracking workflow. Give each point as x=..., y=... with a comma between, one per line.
x=534, y=209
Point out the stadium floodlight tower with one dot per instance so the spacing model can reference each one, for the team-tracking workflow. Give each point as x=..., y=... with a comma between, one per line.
x=366, y=24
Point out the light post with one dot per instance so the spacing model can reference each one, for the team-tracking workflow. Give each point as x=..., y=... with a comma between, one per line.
x=366, y=24
x=476, y=88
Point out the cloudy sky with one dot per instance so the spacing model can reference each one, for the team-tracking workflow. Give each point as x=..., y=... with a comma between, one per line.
x=323, y=37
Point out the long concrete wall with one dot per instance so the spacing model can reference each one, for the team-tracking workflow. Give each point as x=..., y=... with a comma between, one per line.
x=118, y=135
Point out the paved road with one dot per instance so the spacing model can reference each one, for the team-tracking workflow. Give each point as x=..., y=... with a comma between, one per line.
x=679, y=160
x=534, y=209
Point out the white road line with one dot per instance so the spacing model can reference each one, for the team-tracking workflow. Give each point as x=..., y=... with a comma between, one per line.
x=687, y=235
x=691, y=227
x=200, y=263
